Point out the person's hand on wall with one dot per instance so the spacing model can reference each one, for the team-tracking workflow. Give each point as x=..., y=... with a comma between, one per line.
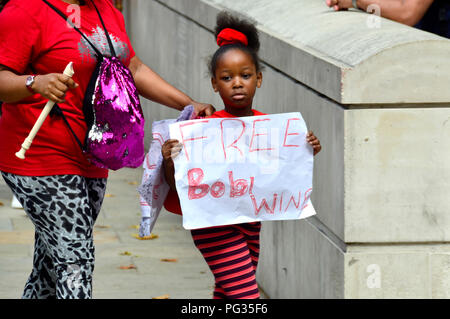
x=339, y=4
x=408, y=12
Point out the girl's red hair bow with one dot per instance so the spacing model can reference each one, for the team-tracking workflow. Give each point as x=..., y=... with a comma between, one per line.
x=230, y=36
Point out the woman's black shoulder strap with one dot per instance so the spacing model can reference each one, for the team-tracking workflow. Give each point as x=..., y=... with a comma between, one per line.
x=111, y=47
x=97, y=52
x=108, y=38
x=56, y=110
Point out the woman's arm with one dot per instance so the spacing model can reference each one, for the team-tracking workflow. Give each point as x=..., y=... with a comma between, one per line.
x=50, y=86
x=153, y=87
x=408, y=12
x=12, y=86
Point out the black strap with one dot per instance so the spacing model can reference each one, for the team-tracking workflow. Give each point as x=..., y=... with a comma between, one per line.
x=111, y=47
x=56, y=110
x=97, y=52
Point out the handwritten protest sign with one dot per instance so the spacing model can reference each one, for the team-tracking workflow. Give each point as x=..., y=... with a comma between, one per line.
x=246, y=169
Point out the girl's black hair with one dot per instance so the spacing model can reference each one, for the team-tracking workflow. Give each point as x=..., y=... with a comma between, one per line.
x=227, y=20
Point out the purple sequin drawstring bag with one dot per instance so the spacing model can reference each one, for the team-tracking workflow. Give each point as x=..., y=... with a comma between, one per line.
x=112, y=110
x=115, y=137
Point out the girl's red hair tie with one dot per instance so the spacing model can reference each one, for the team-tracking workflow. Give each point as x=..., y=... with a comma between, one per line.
x=231, y=36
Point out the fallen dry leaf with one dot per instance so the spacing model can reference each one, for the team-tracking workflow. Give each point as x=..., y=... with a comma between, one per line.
x=135, y=226
x=1, y=204
x=152, y=236
x=102, y=226
x=110, y=195
x=126, y=253
x=169, y=260
x=131, y=266
x=166, y=296
x=132, y=183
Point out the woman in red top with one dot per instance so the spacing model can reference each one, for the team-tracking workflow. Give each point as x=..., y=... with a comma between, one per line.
x=231, y=251
x=59, y=189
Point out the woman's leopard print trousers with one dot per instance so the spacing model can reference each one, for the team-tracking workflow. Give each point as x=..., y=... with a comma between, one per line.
x=63, y=209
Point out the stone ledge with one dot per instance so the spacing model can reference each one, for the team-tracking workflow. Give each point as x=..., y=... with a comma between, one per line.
x=314, y=45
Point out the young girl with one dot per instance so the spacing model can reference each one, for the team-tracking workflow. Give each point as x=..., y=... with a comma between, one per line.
x=231, y=251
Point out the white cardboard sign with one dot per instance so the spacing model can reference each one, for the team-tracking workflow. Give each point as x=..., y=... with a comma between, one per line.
x=245, y=169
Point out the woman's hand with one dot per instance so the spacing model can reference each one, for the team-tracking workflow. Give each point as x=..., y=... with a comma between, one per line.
x=50, y=86
x=314, y=142
x=53, y=86
x=203, y=109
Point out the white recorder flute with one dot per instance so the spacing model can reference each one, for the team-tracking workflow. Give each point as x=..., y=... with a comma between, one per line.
x=47, y=109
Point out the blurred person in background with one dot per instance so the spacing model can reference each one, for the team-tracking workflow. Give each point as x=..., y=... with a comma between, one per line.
x=428, y=15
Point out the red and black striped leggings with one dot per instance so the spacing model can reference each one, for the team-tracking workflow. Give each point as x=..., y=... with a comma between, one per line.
x=231, y=252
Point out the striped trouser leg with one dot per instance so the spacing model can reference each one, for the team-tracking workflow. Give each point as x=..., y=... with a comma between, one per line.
x=231, y=253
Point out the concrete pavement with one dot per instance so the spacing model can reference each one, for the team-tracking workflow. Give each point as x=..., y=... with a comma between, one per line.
x=184, y=274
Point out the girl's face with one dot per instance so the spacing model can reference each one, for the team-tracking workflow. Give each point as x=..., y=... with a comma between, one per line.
x=236, y=80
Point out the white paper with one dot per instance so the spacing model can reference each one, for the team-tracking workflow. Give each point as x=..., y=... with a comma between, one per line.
x=246, y=169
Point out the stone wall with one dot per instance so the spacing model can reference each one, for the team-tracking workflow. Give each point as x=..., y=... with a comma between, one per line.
x=377, y=95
